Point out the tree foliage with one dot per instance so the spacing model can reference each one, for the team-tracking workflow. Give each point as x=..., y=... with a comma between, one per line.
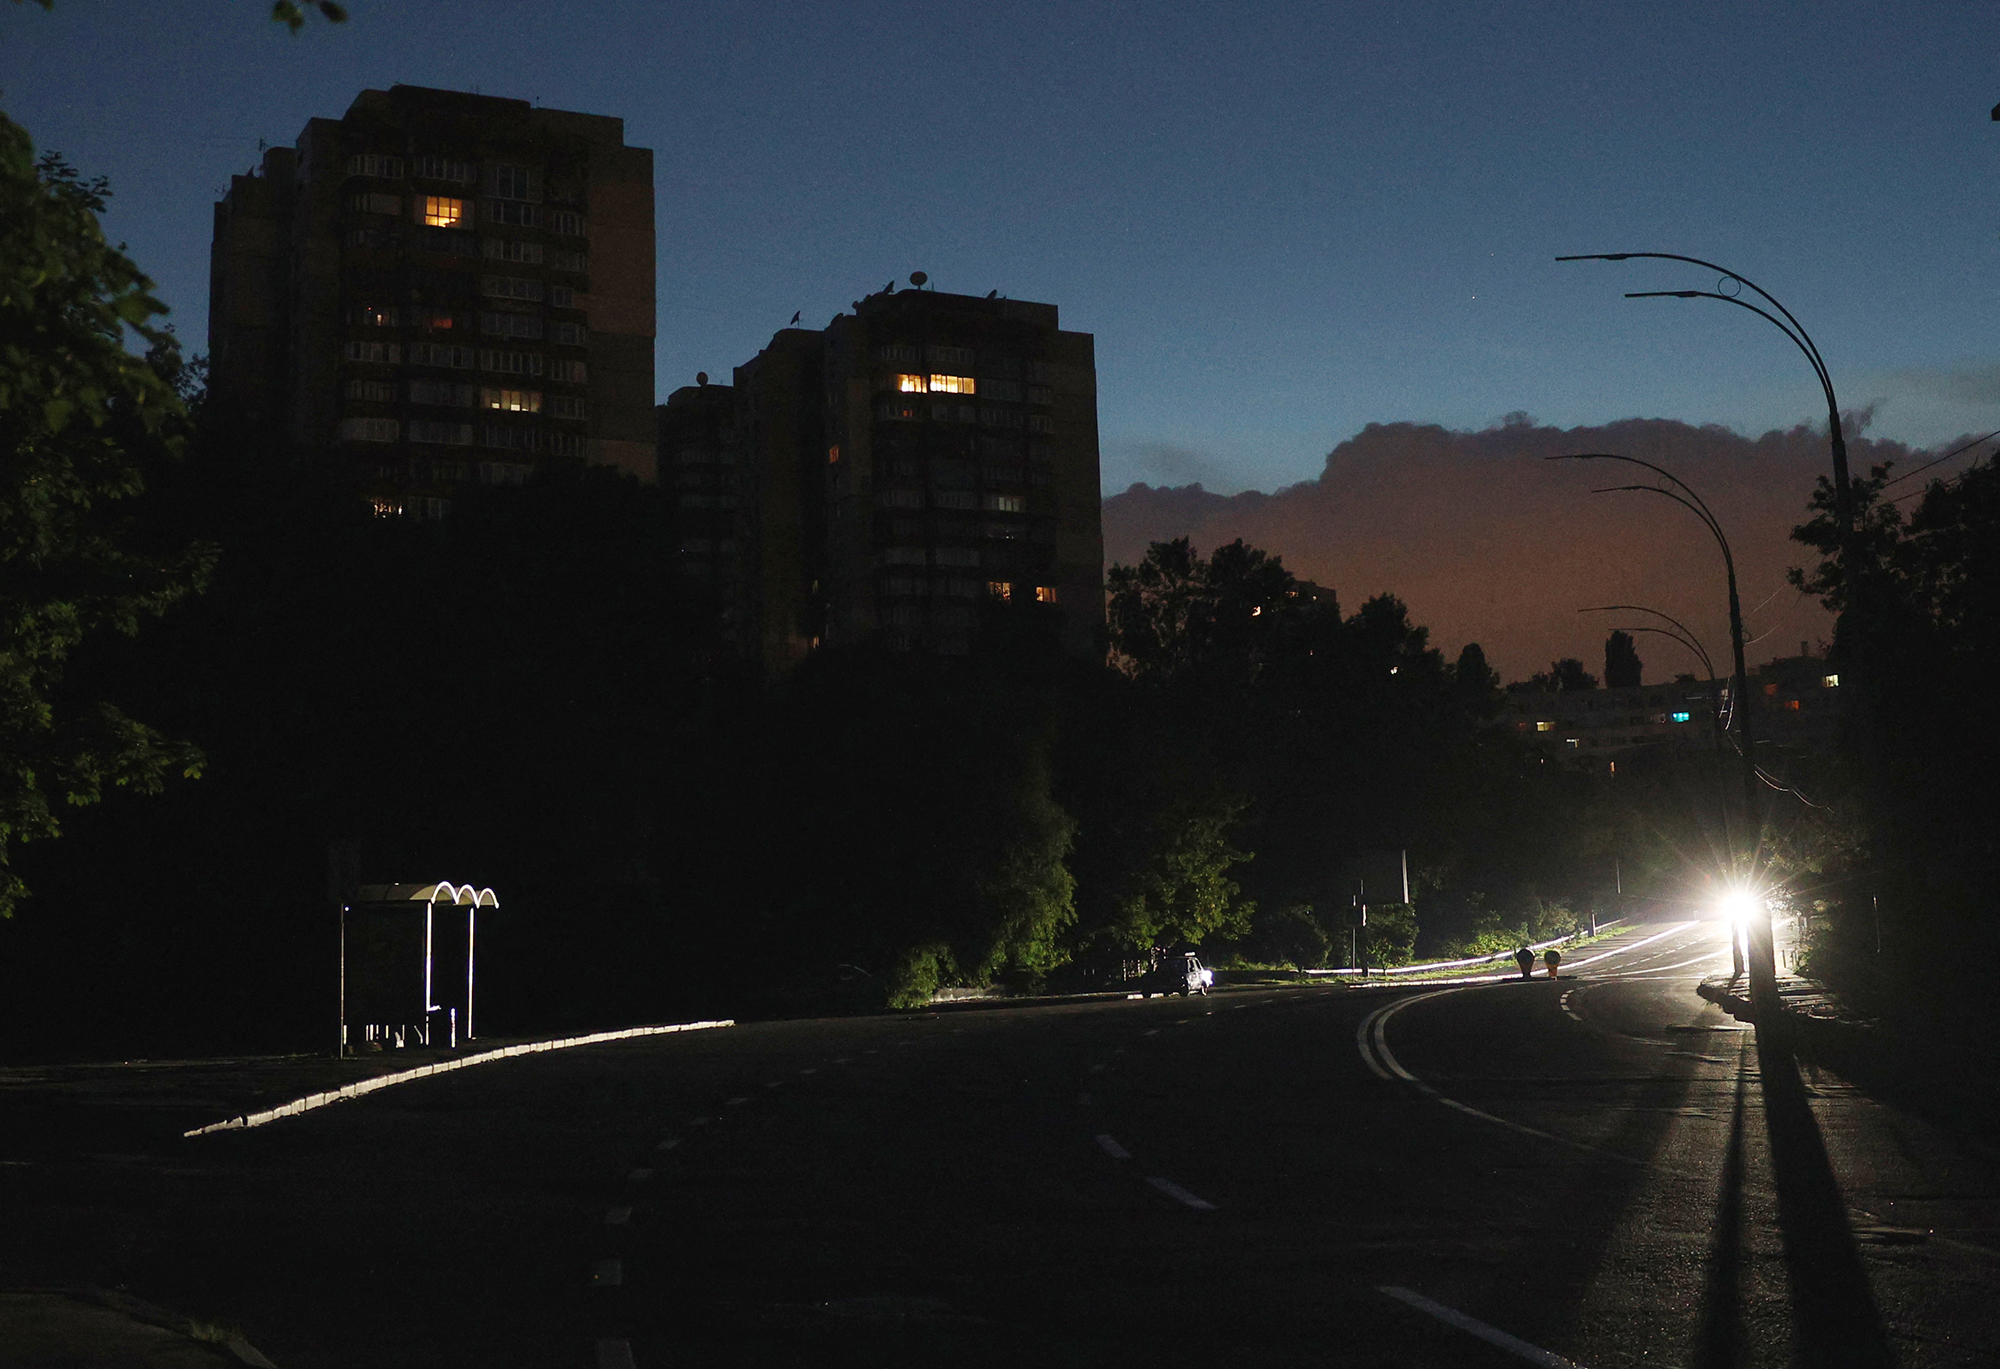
x=1622, y=667
x=82, y=420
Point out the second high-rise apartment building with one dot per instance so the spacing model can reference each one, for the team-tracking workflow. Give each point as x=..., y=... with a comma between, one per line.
x=440, y=288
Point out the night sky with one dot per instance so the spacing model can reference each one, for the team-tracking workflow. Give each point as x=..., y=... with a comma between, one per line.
x=1282, y=222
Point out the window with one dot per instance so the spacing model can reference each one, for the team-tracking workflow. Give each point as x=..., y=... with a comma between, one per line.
x=1830, y=681
x=511, y=249
x=952, y=385
x=957, y=556
x=513, y=213
x=1792, y=705
x=896, y=354
x=375, y=202
x=369, y=429
x=1041, y=372
x=433, y=354
x=512, y=439
x=368, y=164
x=443, y=392
x=562, y=296
x=511, y=363
x=901, y=556
x=504, y=472
x=892, y=410
x=369, y=237
x=1040, y=394
x=455, y=241
x=569, y=372
x=514, y=401
x=1000, y=418
x=1008, y=390
x=567, y=222
x=910, y=385
x=1545, y=727
x=370, y=316
x=1003, y=532
x=566, y=444
x=833, y=455
x=567, y=406
x=372, y=391
x=961, y=413
x=957, y=359
x=510, y=325
x=510, y=287
x=1041, y=423
x=441, y=211
x=569, y=261
x=443, y=169
x=1573, y=741
x=899, y=499
x=1045, y=594
x=954, y=499
x=378, y=353
x=1005, y=503
x=999, y=589
x=568, y=334
x=454, y=434
x=512, y=182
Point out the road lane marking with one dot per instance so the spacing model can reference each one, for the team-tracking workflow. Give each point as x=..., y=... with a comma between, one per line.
x=361, y=1087
x=1154, y=1032
x=615, y=1354
x=668, y=1144
x=617, y=1216
x=701, y=1121
x=608, y=1274
x=1112, y=1148
x=1372, y=1036
x=809, y=1070
x=1563, y=1003
x=775, y=1084
x=734, y=1102
x=843, y=1060
x=1179, y=1194
x=1492, y=1335
x=1097, y=1068
x=638, y=1176
x=1626, y=950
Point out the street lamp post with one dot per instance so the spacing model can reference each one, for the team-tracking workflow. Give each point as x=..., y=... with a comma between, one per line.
x=1763, y=960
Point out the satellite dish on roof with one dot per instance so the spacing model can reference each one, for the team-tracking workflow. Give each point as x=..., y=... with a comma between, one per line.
x=918, y=279
x=701, y=377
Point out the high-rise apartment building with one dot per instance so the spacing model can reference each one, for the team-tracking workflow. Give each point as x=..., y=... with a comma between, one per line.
x=918, y=465
x=439, y=288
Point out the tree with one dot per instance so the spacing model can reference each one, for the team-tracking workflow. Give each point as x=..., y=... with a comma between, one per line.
x=1562, y=677
x=1622, y=667
x=81, y=421
x=1291, y=935
x=1176, y=616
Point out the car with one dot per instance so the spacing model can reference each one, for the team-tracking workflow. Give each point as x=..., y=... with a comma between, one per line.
x=1182, y=974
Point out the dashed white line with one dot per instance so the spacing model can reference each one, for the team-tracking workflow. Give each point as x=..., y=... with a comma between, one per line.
x=701, y=1121
x=1111, y=1147
x=668, y=1144
x=1179, y=1194
x=1153, y=1032
x=607, y=1274
x=775, y=1084
x=1492, y=1335
x=638, y=1176
x=615, y=1354
x=842, y=1060
x=617, y=1216
x=734, y=1102
x=809, y=1070
x=1563, y=1003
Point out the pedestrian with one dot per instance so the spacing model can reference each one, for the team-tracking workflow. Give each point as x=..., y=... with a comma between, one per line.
x=1552, y=958
x=1525, y=958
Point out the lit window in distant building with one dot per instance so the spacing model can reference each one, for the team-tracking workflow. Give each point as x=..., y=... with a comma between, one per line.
x=1572, y=741
x=514, y=401
x=1006, y=503
x=910, y=385
x=1792, y=705
x=833, y=455
x=1545, y=727
x=1830, y=681
x=1771, y=689
x=952, y=385
x=1045, y=594
x=999, y=589
x=1682, y=717
x=441, y=211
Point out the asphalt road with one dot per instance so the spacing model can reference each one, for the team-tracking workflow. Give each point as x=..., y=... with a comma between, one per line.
x=1599, y=1170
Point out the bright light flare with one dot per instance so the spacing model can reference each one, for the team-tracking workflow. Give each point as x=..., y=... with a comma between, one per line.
x=1739, y=905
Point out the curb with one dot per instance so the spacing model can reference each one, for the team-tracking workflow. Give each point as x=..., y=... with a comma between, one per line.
x=314, y=1101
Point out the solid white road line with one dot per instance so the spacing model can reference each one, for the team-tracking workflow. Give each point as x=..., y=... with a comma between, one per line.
x=617, y=1216
x=1492, y=1335
x=383, y=1081
x=615, y=1354
x=1112, y=1148
x=1179, y=1194
x=607, y=1274
x=1626, y=950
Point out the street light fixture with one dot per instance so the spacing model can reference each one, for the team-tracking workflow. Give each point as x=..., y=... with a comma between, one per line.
x=1763, y=959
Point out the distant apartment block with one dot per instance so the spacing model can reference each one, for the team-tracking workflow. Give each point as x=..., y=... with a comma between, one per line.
x=440, y=288
x=910, y=472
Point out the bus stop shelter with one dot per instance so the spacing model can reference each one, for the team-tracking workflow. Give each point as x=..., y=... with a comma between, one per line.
x=406, y=964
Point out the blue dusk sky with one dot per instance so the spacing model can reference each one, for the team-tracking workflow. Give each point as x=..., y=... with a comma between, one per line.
x=1281, y=221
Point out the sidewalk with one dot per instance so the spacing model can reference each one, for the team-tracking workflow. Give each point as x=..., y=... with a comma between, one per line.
x=61, y=1328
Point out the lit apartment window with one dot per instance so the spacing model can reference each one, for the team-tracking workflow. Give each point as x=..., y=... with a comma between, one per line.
x=442, y=211
x=514, y=401
x=432, y=320
x=386, y=508
x=1006, y=503
x=567, y=222
x=1572, y=741
x=910, y=385
x=368, y=164
x=1830, y=681
x=833, y=455
x=370, y=316
x=1545, y=727
x=999, y=589
x=952, y=385
x=569, y=372
x=1792, y=705
x=1045, y=594
x=369, y=430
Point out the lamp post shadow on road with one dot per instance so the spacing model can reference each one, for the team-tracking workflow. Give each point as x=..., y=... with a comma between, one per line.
x=1762, y=956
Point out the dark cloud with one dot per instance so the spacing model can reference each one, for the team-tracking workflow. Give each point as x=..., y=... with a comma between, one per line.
x=1488, y=543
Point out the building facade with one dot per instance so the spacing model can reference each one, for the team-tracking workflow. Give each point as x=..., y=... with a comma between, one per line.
x=918, y=465
x=439, y=288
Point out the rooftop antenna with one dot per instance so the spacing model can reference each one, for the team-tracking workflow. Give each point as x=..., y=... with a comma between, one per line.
x=701, y=378
x=918, y=279
x=992, y=294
